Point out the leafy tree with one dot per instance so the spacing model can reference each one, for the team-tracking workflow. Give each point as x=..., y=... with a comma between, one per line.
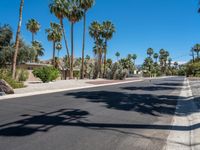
x=33, y=26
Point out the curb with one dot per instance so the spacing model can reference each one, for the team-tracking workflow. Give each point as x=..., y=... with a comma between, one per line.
x=190, y=138
x=62, y=90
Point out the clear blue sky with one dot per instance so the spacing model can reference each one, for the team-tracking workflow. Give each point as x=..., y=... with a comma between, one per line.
x=170, y=24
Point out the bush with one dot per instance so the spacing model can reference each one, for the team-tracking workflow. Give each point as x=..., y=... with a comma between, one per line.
x=46, y=74
x=76, y=74
x=116, y=72
x=22, y=75
x=6, y=75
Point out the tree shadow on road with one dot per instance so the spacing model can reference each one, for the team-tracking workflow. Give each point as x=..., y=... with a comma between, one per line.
x=44, y=122
x=149, y=88
x=143, y=103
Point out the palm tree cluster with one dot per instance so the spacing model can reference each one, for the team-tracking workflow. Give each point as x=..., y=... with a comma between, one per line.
x=101, y=33
x=34, y=26
x=73, y=11
x=163, y=67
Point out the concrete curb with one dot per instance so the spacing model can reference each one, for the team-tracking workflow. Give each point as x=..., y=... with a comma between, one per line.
x=190, y=138
x=62, y=90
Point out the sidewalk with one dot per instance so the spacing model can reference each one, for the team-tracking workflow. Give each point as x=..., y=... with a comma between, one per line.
x=185, y=132
x=63, y=85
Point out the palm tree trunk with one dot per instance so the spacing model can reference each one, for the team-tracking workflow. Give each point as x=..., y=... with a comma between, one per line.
x=72, y=50
x=105, y=57
x=83, y=48
x=32, y=38
x=17, y=40
x=100, y=63
x=65, y=40
x=54, y=52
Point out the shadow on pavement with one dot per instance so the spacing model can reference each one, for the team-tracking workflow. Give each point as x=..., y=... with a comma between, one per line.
x=143, y=103
x=74, y=118
x=149, y=88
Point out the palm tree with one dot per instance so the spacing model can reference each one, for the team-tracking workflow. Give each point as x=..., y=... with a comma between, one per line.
x=17, y=39
x=155, y=56
x=60, y=9
x=108, y=30
x=74, y=15
x=134, y=57
x=95, y=31
x=58, y=48
x=54, y=35
x=117, y=54
x=170, y=62
x=176, y=64
x=150, y=52
x=37, y=46
x=33, y=26
x=85, y=5
x=197, y=49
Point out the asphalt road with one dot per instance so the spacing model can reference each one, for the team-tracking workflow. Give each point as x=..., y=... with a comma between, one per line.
x=133, y=116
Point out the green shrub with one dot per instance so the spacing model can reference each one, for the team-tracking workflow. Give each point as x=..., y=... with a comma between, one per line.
x=6, y=75
x=22, y=75
x=46, y=74
x=76, y=73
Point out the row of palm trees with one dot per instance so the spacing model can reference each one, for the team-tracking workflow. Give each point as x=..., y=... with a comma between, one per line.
x=73, y=11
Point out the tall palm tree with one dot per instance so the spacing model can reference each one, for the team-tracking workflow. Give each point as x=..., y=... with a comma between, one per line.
x=85, y=5
x=58, y=48
x=150, y=52
x=170, y=62
x=134, y=57
x=33, y=26
x=37, y=46
x=95, y=31
x=17, y=39
x=60, y=9
x=54, y=35
x=197, y=49
x=108, y=30
x=74, y=15
x=117, y=54
x=155, y=56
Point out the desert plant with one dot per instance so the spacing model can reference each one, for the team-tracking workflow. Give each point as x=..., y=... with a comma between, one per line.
x=46, y=74
x=22, y=75
x=7, y=76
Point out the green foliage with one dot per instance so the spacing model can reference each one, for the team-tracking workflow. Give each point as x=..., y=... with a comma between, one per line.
x=193, y=69
x=46, y=74
x=22, y=74
x=6, y=75
x=116, y=72
x=76, y=73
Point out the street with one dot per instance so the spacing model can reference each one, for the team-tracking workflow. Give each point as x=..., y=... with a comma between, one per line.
x=133, y=116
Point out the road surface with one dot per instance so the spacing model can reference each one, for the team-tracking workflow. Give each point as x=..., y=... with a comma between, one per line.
x=133, y=116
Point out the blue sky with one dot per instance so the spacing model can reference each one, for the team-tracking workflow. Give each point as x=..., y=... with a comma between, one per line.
x=170, y=24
